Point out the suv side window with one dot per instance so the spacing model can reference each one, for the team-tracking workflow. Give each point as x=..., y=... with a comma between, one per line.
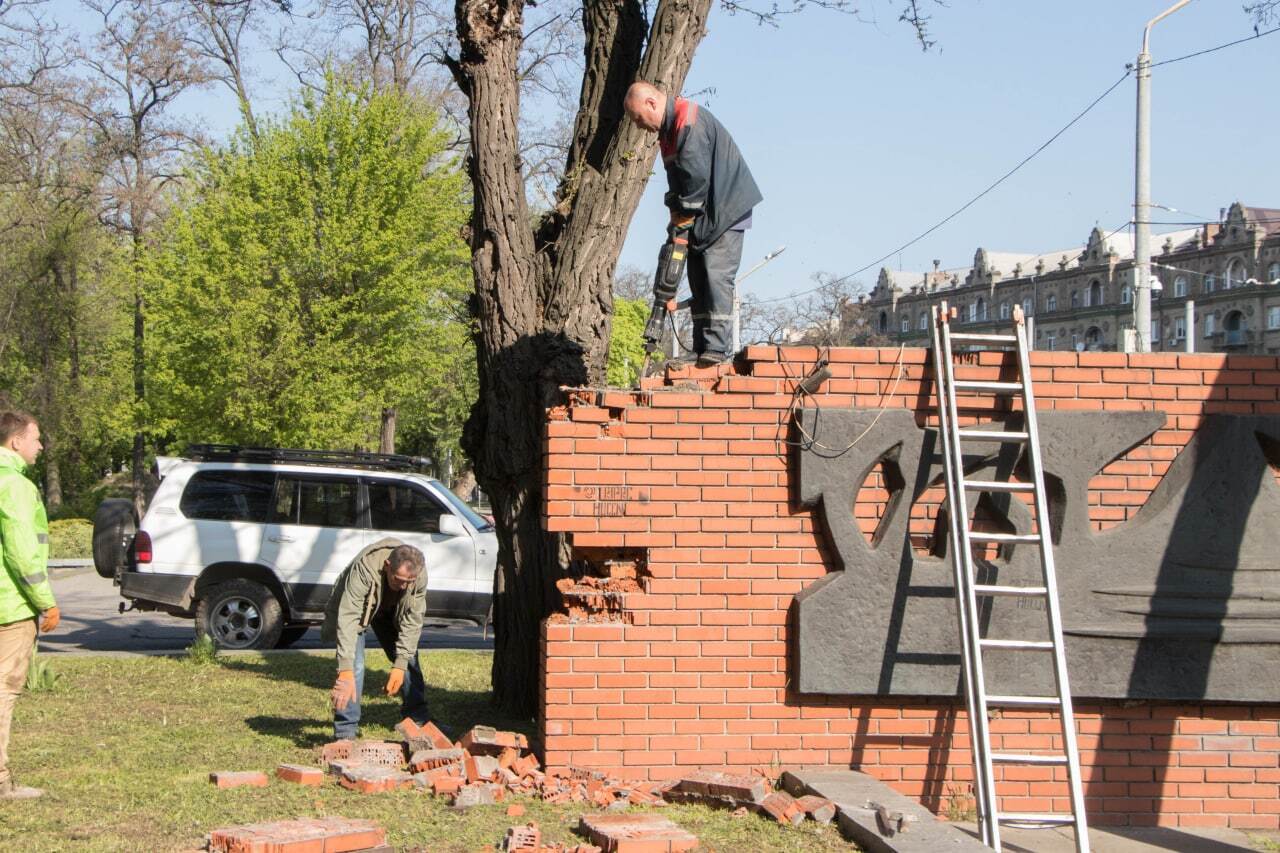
x=316, y=501
x=403, y=507
x=228, y=495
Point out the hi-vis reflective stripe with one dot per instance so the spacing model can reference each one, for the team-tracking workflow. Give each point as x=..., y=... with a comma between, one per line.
x=32, y=580
x=42, y=538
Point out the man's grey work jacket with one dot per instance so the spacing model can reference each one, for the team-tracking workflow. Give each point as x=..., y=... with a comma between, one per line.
x=355, y=600
x=706, y=175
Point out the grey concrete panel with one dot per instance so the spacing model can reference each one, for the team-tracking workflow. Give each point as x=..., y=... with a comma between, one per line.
x=1180, y=602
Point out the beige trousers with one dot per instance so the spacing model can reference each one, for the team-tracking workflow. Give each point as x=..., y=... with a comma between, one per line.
x=17, y=641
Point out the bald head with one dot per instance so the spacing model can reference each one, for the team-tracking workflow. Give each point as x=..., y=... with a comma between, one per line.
x=645, y=104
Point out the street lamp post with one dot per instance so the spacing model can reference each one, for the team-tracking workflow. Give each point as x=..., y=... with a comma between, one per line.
x=1142, y=191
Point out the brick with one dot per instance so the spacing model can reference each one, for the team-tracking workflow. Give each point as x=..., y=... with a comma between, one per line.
x=447, y=785
x=783, y=808
x=312, y=835
x=635, y=833
x=522, y=839
x=430, y=759
x=382, y=752
x=238, y=779
x=301, y=774
x=374, y=779
x=425, y=736
x=477, y=794
x=819, y=809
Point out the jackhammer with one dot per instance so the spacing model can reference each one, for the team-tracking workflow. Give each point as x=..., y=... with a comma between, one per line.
x=671, y=261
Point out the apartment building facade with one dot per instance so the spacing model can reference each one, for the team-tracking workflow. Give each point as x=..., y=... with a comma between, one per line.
x=1083, y=299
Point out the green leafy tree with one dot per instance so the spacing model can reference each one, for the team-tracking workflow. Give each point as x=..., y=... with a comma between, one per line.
x=626, y=346
x=313, y=278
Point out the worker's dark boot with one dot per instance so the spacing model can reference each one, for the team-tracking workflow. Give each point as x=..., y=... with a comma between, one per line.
x=711, y=359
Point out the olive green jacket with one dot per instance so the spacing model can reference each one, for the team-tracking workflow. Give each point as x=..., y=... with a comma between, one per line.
x=355, y=600
x=24, y=543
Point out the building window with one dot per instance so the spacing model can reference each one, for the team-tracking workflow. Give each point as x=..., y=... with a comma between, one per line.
x=1075, y=299
x=1075, y=343
x=1126, y=295
x=1051, y=304
x=1027, y=305
x=1093, y=339
x=1049, y=339
x=972, y=312
x=1155, y=332
x=1179, y=328
x=1233, y=329
x=982, y=308
x=1235, y=274
x=884, y=322
x=906, y=323
x=1210, y=281
x=1095, y=294
x=1180, y=286
x=1210, y=326
x=1273, y=317
x=1004, y=310
x=924, y=320
x=1273, y=273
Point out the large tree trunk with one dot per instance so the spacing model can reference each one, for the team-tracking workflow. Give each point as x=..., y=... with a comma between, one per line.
x=543, y=295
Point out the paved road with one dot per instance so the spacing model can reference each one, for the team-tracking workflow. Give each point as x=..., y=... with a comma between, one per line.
x=91, y=623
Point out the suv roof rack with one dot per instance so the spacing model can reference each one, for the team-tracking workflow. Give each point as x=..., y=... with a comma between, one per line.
x=293, y=456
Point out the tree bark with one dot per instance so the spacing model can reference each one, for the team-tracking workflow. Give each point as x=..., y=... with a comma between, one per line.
x=387, y=435
x=543, y=294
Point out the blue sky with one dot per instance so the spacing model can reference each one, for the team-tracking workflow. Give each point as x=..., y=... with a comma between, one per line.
x=860, y=141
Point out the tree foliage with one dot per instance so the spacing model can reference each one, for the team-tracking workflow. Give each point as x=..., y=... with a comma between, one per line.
x=314, y=277
x=626, y=345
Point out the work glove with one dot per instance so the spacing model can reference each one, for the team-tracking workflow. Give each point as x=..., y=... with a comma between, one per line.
x=395, y=681
x=49, y=619
x=681, y=221
x=344, y=689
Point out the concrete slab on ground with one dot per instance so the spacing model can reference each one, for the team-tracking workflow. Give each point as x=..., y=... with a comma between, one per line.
x=851, y=791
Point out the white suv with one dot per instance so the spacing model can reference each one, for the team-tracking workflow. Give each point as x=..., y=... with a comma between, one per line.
x=250, y=541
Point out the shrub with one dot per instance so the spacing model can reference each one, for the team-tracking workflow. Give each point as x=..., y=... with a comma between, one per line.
x=70, y=538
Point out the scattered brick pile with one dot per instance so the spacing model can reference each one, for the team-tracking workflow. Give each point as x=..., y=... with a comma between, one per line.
x=528, y=839
x=636, y=833
x=752, y=793
x=328, y=834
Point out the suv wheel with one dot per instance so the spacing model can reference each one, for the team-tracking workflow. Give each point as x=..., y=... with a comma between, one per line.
x=114, y=525
x=240, y=614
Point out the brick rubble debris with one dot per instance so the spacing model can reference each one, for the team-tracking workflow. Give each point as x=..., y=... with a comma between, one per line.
x=238, y=779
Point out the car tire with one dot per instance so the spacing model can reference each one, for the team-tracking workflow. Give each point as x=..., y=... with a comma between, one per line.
x=114, y=525
x=240, y=614
x=291, y=634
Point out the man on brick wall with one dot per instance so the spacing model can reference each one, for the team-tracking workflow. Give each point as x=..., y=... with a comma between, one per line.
x=383, y=590
x=24, y=584
x=710, y=193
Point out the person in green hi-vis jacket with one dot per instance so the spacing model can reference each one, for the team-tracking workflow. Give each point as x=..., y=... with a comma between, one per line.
x=25, y=593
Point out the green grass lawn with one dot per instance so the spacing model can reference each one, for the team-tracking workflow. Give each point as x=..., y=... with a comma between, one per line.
x=123, y=748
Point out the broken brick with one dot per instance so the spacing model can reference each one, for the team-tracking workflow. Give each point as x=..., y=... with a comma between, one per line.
x=238, y=779
x=328, y=834
x=425, y=736
x=819, y=808
x=515, y=810
x=475, y=795
x=525, y=765
x=783, y=808
x=301, y=774
x=486, y=740
x=523, y=839
x=447, y=785
x=384, y=752
x=374, y=779
x=428, y=759
x=486, y=766
x=636, y=833
x=338, y=750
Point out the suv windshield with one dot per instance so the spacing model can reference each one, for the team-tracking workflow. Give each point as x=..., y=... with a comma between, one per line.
x=477, y=521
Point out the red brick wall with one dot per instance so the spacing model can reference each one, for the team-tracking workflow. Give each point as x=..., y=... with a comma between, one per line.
x=689, y=479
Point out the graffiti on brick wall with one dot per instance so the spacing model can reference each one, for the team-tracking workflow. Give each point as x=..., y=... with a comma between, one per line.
x=1181, y=601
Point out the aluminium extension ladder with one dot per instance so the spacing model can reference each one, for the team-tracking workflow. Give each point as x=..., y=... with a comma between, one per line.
x=969, y=591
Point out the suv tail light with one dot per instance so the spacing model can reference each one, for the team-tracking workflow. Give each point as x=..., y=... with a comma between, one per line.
x=142, y=547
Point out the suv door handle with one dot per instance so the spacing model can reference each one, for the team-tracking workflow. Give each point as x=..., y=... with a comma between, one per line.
x=280, y=539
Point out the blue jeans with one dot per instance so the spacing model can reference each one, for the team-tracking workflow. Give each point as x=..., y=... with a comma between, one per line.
x=413, y=693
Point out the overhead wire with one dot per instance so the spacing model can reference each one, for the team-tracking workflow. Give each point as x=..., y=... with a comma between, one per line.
x=1128, y=71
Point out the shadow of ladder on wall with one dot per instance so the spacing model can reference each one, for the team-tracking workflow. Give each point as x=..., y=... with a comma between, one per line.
x=968, y=590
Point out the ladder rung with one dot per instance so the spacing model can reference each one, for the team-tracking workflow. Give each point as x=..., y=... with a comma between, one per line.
x=1026, y=701
x=974, y=536
x=998, y=486
x=1030, y=645
x=993, y=339
x=992, y=589
x=1034, y=817
x=1027, y=758
x=992, y=435
x=975, y=385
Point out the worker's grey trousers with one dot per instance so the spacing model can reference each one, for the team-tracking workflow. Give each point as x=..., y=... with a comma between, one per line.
x=711, y=275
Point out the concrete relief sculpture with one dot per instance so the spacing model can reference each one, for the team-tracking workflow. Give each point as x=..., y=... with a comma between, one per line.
x=1180, y=602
